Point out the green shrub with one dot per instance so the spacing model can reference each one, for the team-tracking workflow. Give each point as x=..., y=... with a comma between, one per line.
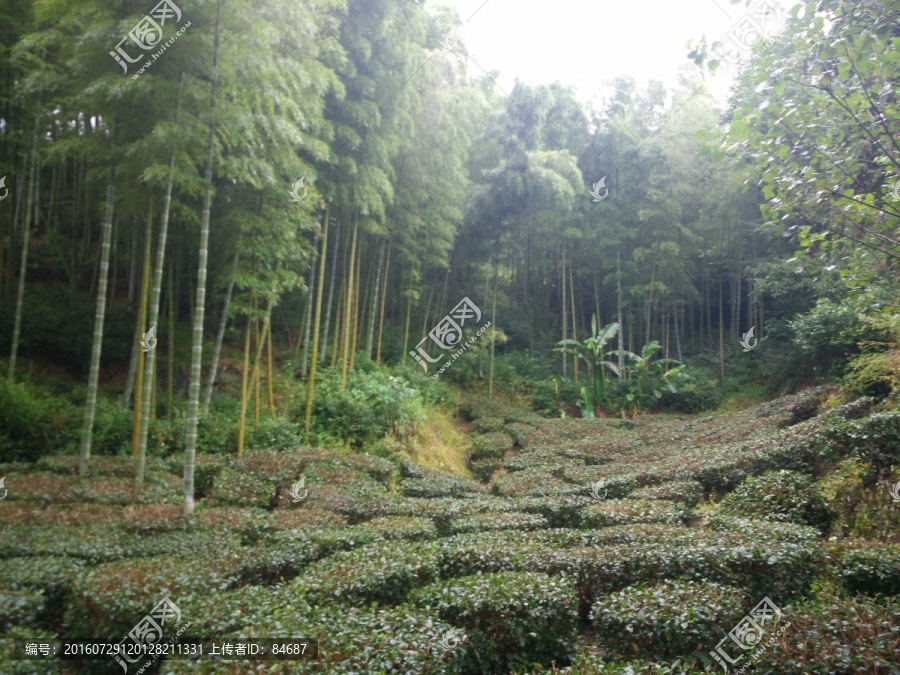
x=370, y=406
x=872, y=570
x=103, y=542
x=830, y=332
x=233, y=487
x=874, y=439
x=559, y=512
x=429, y=487
x=274, y=434
x=497, y=521
x=353, y=643
x=33, y=422
x=756, y=529
x=783, y=496
x=20, y=608
x=491, y=445
x=44, y=489
x=116, y=467
x=688, y=492
x=206, y=469
x=625, y=511
x=530, y=482
x=13, y=666
x=383, y=573
x=512, y=620
x=217, y=433
x=692, y=397
x=667, y=618
x=483, y=469
x=487, y=425
x=835, y=635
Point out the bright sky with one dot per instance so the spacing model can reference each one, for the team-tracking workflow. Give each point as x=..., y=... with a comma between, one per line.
x=587, y=42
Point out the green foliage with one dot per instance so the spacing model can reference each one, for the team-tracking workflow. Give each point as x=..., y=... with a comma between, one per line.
x=667, y=618
x=233, y=487
x=830, y=634
x=491, y=445
x=59, y=323
x=831, y=332
x=592, y=352
x=647, y=379
x=497, y=521
x=511, y=620
x=19, y=608
x=383, y=573
x=876, y=371
x=874, y=439
x=783, y=496
x=872, y=570
x=548, y=397
x=694, y=396
x=33, y=422
x=371, y=406
x=688, y=492
x=625, y=511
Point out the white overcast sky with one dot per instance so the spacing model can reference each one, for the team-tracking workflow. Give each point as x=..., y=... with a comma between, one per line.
x=587, y=42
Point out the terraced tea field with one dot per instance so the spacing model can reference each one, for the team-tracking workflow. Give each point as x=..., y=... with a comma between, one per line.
x=591, y=546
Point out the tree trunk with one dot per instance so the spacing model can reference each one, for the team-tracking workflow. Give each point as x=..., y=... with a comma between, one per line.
x=20, y=291
x=150, y=365
x=494, y=331
x=220, y=336
x=94, y=374
x=245, y=376
x=721, y=338
x=307, y=328
x=374, y=309
x=170, y=373
x=141, y=324
x=619, y=311
x=408, y=315
x=272, y=411
x=200, y=306
x=574, y=320
x=355, y=305
x=348, y=307
x=487, y=279
x=334, y=259
x=565, y=320
x=387, y=269
x=310, y=387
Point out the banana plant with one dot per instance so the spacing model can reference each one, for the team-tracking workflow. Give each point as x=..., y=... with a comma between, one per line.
x=591, y=351
x=649, y=378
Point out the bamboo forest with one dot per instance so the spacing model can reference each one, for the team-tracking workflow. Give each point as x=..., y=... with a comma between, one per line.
x=449, y=337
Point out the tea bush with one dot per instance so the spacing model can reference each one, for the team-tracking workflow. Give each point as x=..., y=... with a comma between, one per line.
x=34, y=422
x=624, y=511
x=20, y=608
x=692, y=397
x=491, y=445
x=835, y=635
x=559, y=512
x=781, y=496
x=497, y=521
x=667, y=618
x=233, y=487
x=872, y=570
x=688, y=492
x=512, y=620
x=874, y=439
x=370, y=406
x=483, y=469
x=383, y=573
